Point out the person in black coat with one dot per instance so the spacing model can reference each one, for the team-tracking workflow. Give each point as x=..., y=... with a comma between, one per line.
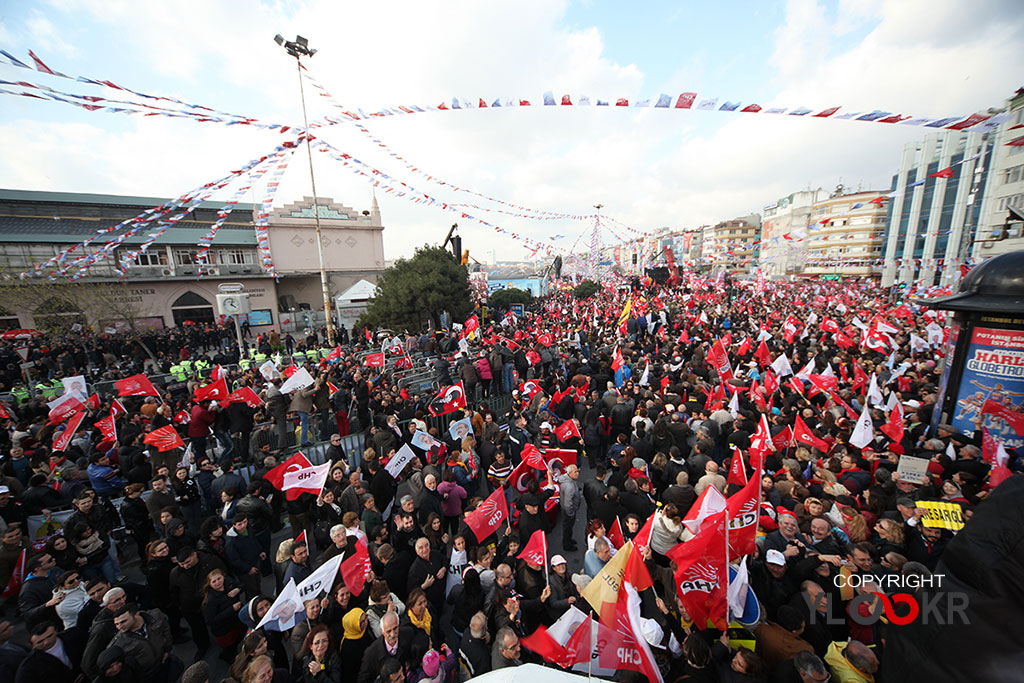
x=244, y=554
x=402, y=640
x=42, y=667
x=428, y=572
x=221, y=602
x=430, y=499
x=187, y=581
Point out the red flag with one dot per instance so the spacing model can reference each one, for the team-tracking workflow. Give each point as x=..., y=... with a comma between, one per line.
x=744, y=347
x=860, y=378
x=117, y=408
x=107, y=427
x=536, y=550
x=743, y=518
x=215, y=391
x=642, y=540
x=989, y=447
x=63, y=407
x=635, y=580
x=182, y=417
x=62, y=441
x=488, y=515
x=684, y=338
x=893, y=428
x=164, y=438
x=544, y=340
x=617, y=361
x=369, y=336
x=17, y=577
x=763, y=356
x=276, y=475
x=356, y=567
x=94, y=402
x=472, y=324
x=301, y=538
x=771, y=382
x=448, y=400
x=541, y=642
x=529, y=388
x=944, y=173
x=559, y=458
x=245, y=395
x=533, y=458
x=615, y=535
x=803, y=435
x=289, y=371
x=737, y=470
x=1005, y=413
x=136, y=385
x=335, y=354
x=701, y=577
x=521, y=477
x=784, y=439
x=375, y=360
x=567, y=430
x=719, y=358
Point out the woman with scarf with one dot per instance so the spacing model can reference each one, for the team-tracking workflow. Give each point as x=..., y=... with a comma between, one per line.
x=220, y=610
x=356, y=637
x=418, y=615
x=188, y=496
x=251, y=614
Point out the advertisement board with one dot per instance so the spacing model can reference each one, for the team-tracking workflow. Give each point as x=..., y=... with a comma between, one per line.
x=993, y=372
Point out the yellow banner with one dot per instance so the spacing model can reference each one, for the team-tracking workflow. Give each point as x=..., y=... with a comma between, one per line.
x=603, y=590
x=939, y=515
x=625, y=312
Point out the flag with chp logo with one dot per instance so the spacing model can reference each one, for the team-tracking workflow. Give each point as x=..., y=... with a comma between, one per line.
x=701, y=578
x=743, y=517
x=136, y=385
x=448, y=400
x=164, y=439
x=276, y=475
x=488, y=515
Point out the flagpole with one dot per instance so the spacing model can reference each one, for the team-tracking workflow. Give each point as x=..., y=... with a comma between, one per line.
x=590, y=650
x=727, y=566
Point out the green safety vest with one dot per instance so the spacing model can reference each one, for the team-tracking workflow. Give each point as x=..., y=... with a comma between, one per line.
x=298, y=357
x=21, y=393
x=243, y=364
x=260, y=358
x=187, y=364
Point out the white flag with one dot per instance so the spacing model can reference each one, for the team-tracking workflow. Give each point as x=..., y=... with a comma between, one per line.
x=645, y=378
x=781, y=366
x=311, y=478
x=738, y=587
x=874, y=393
x=806, y=371
x=281, y=615
x=892, y=403
x=401, y=459
x=864, y=432
x=917, y=344
x=299, y=380
x=934, y=333
x=950, y=451
x=320, y=580
x=859, y=324
x=711, y=503
x=734, y=405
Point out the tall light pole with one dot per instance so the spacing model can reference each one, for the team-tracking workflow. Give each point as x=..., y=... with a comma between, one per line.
x=300, y=48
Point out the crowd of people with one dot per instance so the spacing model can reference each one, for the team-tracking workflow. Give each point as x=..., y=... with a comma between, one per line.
x=186, y=552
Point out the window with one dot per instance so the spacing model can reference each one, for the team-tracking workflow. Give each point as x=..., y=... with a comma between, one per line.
x=1013, y=174
x=185, y=257
x=232, y=257
x=153, y=257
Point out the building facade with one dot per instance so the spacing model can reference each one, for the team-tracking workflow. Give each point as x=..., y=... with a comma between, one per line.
x=932, y=219
x=784, y=233
x=847, y=241
x=998, y=232
x=163, y=287
x=735, y=244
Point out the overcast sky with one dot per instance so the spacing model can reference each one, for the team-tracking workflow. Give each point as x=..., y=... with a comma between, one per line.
x=650, y=168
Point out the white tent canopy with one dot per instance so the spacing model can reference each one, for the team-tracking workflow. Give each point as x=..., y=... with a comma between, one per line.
x=528, y=673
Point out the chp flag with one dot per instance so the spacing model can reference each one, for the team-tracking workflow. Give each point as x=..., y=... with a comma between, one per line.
x=307, y=479
x=136, y=385
x=292, y=464
x=488, y=515
x=164, y=439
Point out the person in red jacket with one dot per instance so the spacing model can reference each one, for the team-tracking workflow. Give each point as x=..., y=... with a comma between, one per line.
x=199, y=426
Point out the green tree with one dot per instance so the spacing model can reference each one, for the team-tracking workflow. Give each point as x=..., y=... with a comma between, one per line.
x=503, y=298
x=586, y=289
x=421, y=287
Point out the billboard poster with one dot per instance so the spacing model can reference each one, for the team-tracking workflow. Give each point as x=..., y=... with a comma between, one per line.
x=993, y=375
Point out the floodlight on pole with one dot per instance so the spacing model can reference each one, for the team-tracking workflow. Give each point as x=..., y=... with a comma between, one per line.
x=299, y=48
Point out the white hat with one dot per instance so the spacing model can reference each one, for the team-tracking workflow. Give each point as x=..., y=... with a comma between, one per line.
x=652, y=631
x=557, y=560
x=912, y=403
x=4, y=489
x=775, y=557
x=545, y=425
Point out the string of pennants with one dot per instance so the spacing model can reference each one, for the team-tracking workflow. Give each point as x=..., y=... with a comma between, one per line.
x=164, y=217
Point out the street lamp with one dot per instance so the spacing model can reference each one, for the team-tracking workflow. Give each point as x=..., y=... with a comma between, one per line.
x=299, y=48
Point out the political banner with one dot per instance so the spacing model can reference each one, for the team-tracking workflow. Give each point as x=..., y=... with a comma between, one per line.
x=912, y=469
x=939, y=515
x=424, y=441
x=993, y=374
x=460, y=429
x=402, y=458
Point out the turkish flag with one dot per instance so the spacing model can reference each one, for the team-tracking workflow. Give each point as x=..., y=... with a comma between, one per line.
x=771, y=382
x=893, y=427
x=701, y=577
x=356, y=567
x=536, y=550
x=448, y=400
x=530, y=388
x=521, y=476
x=743, y=518
x=182, y=417
x=164, y=438
x=292, y=464
x=245, y=395
x=62, y=441
x=744, y=347
x=488, y=515
x=561, y=457
x=544, y=340
x=803, y=435
x=215, y=391
x=375, y=360
x=567, y=430
x=136, y=385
